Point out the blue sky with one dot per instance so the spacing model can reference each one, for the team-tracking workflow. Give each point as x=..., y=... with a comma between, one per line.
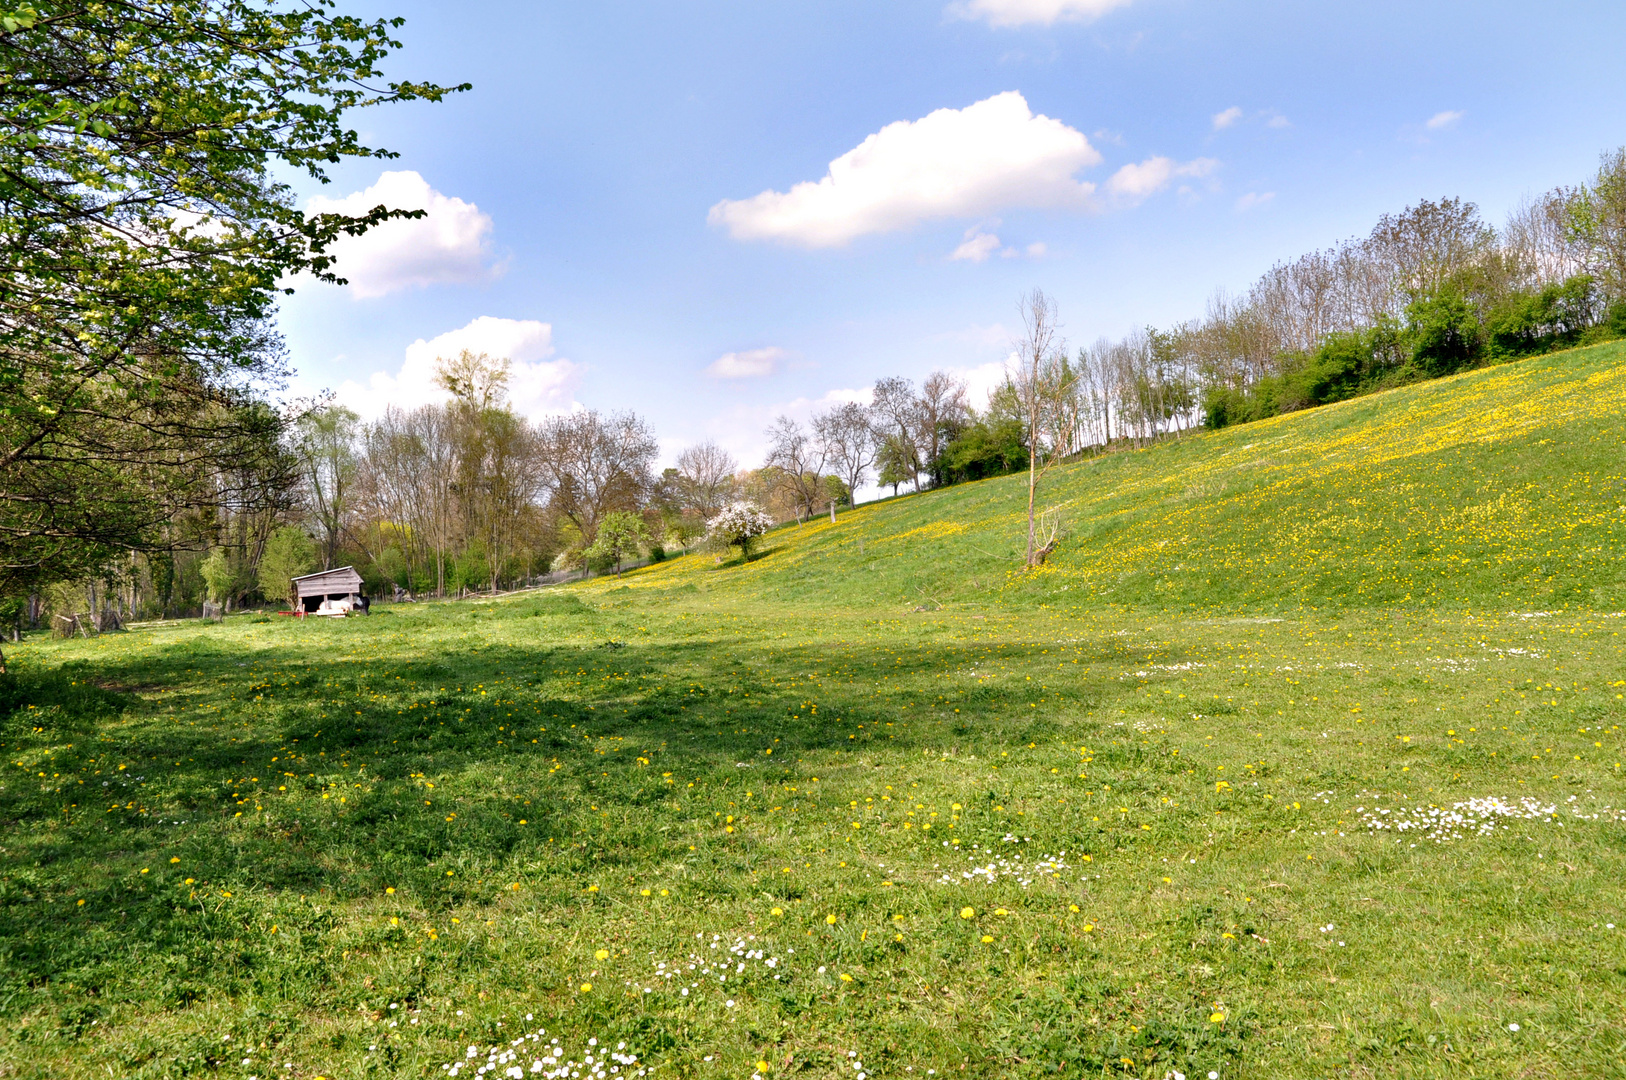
x=615, y=201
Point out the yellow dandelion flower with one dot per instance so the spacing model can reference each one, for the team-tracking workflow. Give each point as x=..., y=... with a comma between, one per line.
x=602, y=954
x=830, y=918
x=968, y=913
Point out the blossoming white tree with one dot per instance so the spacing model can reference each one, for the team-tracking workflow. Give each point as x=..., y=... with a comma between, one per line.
x=739, y=523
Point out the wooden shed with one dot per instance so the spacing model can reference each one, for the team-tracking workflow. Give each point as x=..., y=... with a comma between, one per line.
x=331, y=592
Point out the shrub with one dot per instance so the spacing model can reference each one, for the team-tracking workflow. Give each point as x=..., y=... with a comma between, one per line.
x=1444, y=332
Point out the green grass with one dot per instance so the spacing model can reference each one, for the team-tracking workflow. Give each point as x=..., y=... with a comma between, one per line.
x=201, y=825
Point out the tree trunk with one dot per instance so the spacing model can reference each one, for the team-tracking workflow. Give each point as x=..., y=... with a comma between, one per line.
x=1033, y=481
x=832, y=511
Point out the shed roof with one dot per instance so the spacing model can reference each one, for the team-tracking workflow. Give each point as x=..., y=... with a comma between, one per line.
x=343, y=579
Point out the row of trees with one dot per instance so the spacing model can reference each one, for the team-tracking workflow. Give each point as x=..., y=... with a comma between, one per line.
x=1430, y=291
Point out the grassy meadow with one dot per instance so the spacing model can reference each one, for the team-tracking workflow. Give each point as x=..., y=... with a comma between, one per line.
x=1302, y=759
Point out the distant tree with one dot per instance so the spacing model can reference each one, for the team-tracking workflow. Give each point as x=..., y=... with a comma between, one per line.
x=739, y=524
x=799, y=461
x=597, y=463
x=897, y=417
x=847, y=437
x=219, y=576
x=288, y=554
x=706, y=478
x=894, y=459
x=476, y=380
x=620, y=534
x=1427, y=246
x=992, y=445
x=941, y=412
x=1596, y=220
x=325, y=443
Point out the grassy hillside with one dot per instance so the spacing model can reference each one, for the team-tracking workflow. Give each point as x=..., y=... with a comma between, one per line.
x=1496, y=488
x=769, y=821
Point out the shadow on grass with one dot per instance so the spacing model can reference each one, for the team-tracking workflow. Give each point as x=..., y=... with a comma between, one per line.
x=305, y=775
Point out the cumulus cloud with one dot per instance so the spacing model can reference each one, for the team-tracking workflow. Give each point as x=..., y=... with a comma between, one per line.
x=976, y=247
x=1442, y=120
x=449, y=245
x=970, y=162
x=750, y=364
x=1253, y=199
x=1277, y=120
x=979, y=244
x=1223, y=120
x=537, y=386
x=1136, y=182
x=1007, y=13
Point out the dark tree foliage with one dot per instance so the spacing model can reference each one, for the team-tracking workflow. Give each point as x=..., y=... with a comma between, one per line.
x=143, y=240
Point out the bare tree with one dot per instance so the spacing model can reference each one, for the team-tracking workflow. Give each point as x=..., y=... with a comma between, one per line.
x=706, y=478
x=1426, y=245
x=848, y=440
x=941, y=412
x=896, y=411
x=597, y=463
x=1043, y=380
x=798, y=464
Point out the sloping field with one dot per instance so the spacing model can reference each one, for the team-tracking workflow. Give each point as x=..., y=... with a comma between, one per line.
x=1495, y=488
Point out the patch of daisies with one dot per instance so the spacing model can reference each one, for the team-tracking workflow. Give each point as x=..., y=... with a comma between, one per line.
x=1482, y=816
x=989, y=866
x=549, y=1060
x=716, y=969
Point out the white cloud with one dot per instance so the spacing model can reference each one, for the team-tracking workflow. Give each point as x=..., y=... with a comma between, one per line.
x=977, y=246
x=1442, y=120
x=536, y=386
x=982, y=380
x=750, y=364
x=1277, y=120
x=966, y=162
x=449, y=245
x=1005, y=13
x=1223, y=120
x=1133, y=183
x=1253, y=199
